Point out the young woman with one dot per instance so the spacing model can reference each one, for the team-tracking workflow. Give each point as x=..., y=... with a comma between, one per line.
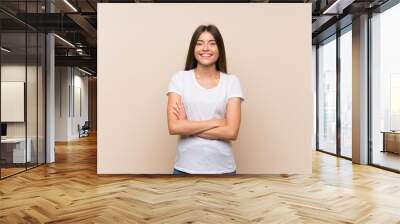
x=204, y=107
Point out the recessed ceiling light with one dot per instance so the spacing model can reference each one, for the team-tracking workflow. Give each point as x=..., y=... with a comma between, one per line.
x=70, y=5
x=337, y=7
x=64, y=40
x=84, y=71
x=5, y=50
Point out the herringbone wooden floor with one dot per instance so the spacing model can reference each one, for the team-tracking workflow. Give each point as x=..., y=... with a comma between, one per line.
x=69, y=191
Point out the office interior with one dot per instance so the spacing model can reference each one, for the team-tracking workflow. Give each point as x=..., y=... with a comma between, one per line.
x=48, y=85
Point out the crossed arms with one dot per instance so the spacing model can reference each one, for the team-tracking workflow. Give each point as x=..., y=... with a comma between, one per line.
x=222, y=129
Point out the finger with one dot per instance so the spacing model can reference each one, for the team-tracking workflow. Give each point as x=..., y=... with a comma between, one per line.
x=183, y=107
x=181, y=101
x=181, y=104
x=178, y=103
x=176, y=115
x=177, y=106
x=176, y=110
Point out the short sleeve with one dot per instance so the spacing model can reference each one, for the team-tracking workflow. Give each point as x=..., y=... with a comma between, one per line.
x=235, y=90
x=176, y=84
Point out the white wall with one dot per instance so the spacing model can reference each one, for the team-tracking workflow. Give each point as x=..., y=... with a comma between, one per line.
x=136, y=64
x=68, y=81
x=12, y=101
x=79, y=117
x=61, y=103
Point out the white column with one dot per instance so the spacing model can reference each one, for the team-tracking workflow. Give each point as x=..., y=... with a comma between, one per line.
x=50, y=92
x=360, y=90
x=50, y=110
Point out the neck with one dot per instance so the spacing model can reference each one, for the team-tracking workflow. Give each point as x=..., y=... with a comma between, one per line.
x=209, y=71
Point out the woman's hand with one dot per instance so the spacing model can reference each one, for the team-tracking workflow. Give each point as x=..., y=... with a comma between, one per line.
x=228, y=128
x=179, y=124
x=179, y=110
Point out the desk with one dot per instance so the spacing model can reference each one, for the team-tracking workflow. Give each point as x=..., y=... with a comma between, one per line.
x=15, y=148
x=391, y=141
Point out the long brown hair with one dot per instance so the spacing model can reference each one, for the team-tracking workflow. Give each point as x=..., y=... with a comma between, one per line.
x=191, y=61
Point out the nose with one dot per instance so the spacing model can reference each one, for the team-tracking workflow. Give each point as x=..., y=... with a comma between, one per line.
x=205, y=47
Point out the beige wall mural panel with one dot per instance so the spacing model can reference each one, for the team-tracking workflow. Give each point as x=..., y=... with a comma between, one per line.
x=142, y=45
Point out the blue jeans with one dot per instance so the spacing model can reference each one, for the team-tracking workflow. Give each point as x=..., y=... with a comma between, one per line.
x=178, y=172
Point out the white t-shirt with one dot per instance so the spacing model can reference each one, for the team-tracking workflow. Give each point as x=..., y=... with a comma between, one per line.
x=198, y=155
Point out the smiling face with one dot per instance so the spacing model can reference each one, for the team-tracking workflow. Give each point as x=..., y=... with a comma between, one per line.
x=206, y=49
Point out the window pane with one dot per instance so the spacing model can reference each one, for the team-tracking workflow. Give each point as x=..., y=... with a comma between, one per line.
x=346, y=93
x=327, y=97
x=385, y=88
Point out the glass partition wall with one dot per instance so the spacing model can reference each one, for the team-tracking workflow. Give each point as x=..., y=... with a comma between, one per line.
x=327, y=95
x=345, y=62
x=334, y=106
x=334, y=93
x=385, y=89
x=22, y=77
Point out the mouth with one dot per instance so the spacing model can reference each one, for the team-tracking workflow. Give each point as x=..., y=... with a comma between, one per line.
x=206, y=55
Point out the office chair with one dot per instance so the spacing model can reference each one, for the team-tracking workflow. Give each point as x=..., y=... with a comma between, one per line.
x=84, y=130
